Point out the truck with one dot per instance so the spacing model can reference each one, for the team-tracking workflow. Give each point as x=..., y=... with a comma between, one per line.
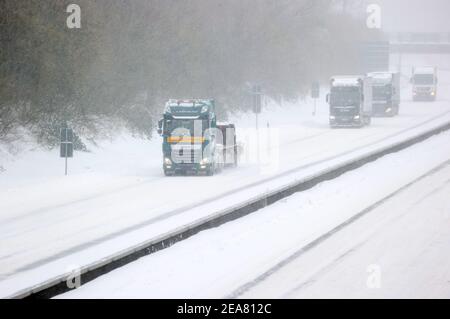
x=193, y=143
x=385, y=93
x=424, y=83
x=350, y=101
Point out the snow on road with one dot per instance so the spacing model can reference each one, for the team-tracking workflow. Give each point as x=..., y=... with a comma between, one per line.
x=407, y=237
x=117, y=196
x=399, y=250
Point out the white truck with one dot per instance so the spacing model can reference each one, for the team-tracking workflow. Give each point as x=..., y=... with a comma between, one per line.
x=424, y=83
x=386, y=93
x=350, y=101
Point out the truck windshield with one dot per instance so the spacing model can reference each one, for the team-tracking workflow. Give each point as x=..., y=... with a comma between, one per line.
x=194, y=127
x=423, y=79
x=345, y=96
x=382, y=92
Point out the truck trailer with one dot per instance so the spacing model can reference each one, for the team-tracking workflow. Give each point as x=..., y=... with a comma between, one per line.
x=350, y=101
x=386, y=93
x=424, y=83
x=192, y=141
x=227, y=136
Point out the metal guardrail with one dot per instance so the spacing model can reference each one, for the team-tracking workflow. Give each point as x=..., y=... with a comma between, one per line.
x=58, y=285
x=420, y=42
x=420, y=48
x=420, y=37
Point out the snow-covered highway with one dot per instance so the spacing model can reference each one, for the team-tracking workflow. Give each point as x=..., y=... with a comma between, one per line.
x=392, y=214
x=48, y=226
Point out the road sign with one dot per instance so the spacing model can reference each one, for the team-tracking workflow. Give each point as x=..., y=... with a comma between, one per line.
x=257, y=99
x=66, y=145
x=66, y=135
x=66, y=149
x=315, y=90
x=375, y=56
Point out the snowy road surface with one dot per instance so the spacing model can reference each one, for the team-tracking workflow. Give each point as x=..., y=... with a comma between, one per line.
x=407, y=236
x=399, y=250
x=50, y=224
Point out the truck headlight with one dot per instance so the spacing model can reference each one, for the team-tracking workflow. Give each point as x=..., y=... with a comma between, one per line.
x=332, y=117
x=388, y=110
x=167, y=161
x=204, y=109
x=204, y=161
x=357, y=117
x=433, y=93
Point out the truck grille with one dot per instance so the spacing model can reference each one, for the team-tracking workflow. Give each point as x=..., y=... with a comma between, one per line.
x=186, y=154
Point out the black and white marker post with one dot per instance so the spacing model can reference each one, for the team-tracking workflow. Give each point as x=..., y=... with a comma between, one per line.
x=66, y=148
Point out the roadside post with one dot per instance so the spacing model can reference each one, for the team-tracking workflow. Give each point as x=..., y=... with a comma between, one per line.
x=315, y=94
x=257, y=105
x=66, y=145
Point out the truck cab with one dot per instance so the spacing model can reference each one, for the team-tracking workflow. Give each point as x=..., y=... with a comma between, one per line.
x=350, y=101
x=188, y=128
x=386, y=93
x=424, y=83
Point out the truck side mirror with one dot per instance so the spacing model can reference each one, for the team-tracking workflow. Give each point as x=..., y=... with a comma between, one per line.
x=393, y=88
x=328, y=98
x=160, y=124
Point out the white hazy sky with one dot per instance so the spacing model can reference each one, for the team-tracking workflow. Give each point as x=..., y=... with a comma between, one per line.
x=414, y=15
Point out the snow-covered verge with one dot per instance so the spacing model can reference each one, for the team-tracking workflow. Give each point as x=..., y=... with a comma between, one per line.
x=407, y=237
x=33, y=164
